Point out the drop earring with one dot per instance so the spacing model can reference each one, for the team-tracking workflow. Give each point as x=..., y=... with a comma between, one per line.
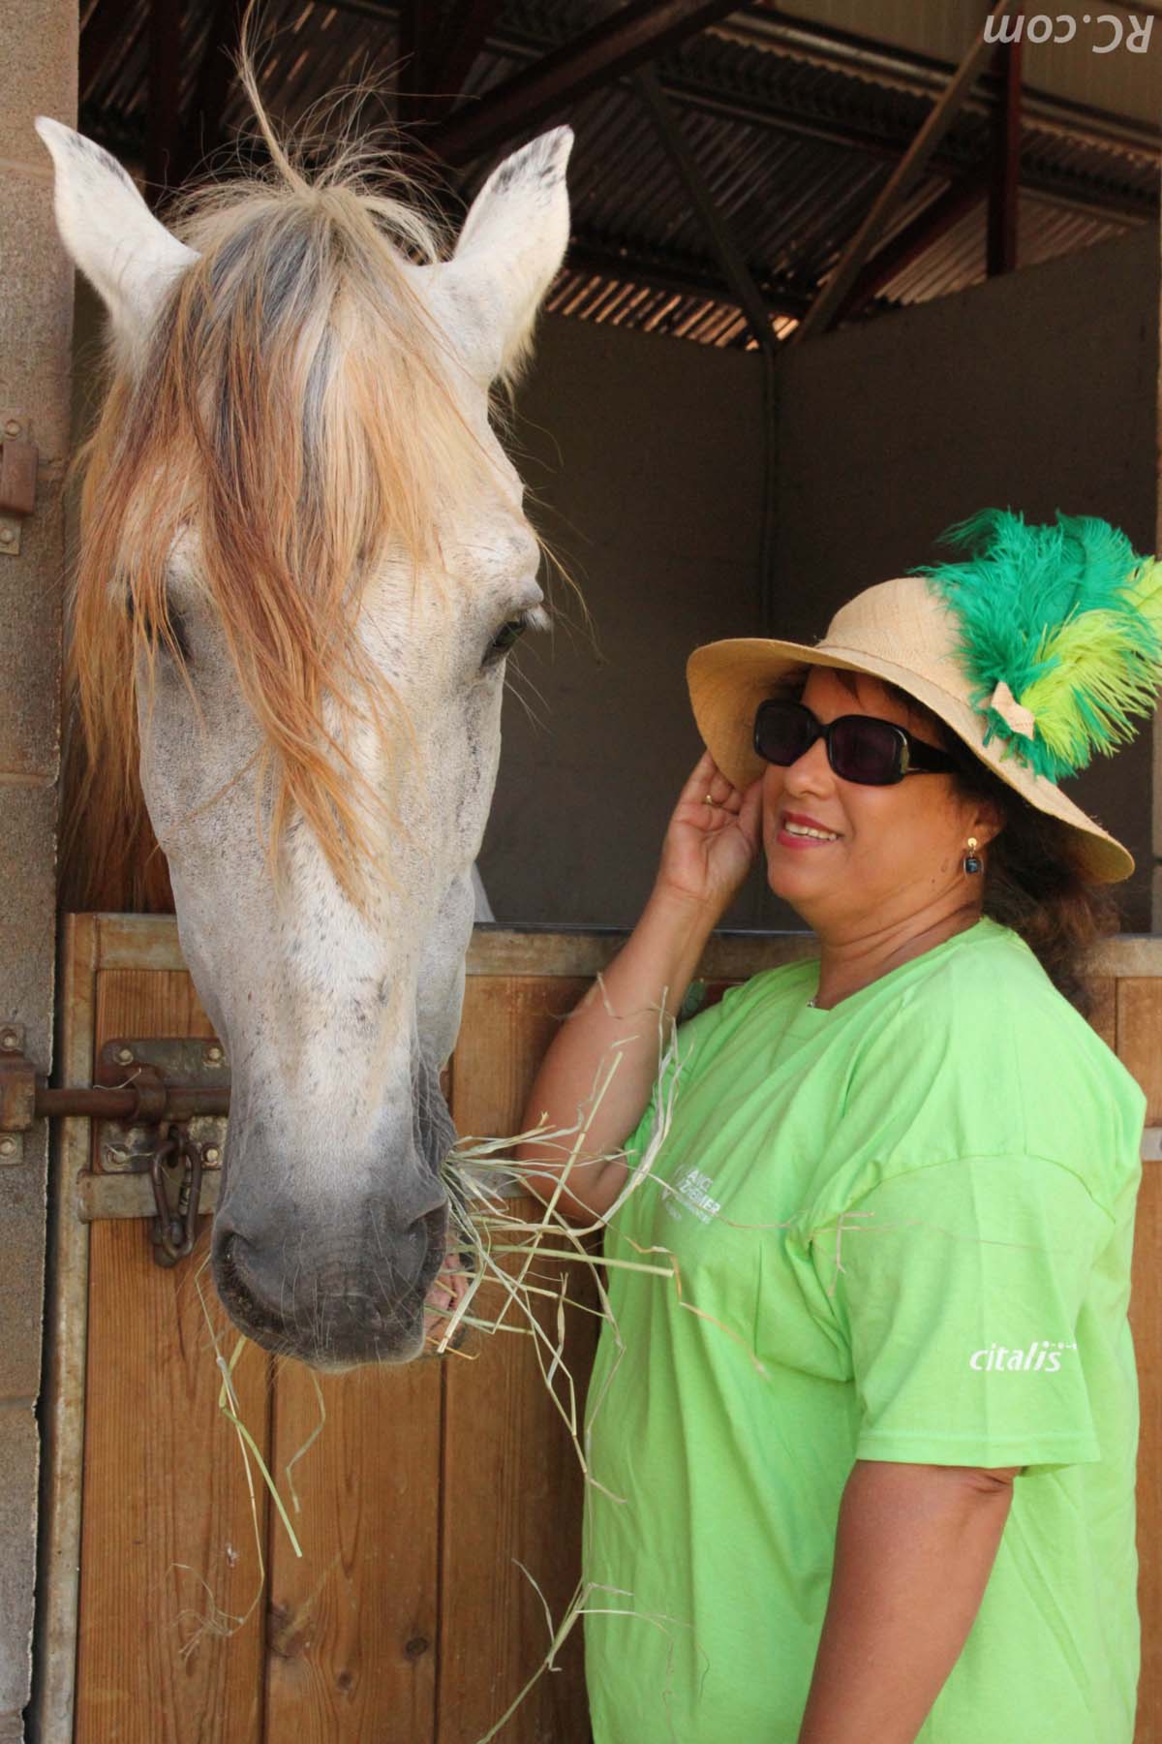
x=971, y=857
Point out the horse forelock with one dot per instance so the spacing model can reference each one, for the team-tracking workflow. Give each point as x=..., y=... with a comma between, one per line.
x=295, y=414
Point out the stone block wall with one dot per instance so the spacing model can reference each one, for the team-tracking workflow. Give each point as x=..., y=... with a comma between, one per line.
x=38, y=51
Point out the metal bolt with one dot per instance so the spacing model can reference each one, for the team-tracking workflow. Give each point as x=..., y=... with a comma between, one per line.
x=6, y=535
x=213, y=1055
x=9, y=1041
x=125, y=1056
x=7, y=1147
x=12, y=427
x=212, y=1154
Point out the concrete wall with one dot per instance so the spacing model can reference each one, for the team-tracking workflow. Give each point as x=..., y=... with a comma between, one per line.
x=643, y=457
x=1036, y=391
x=38, y=52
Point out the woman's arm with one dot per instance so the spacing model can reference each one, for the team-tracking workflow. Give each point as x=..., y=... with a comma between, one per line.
x=599, y=1074
x=913, y=1554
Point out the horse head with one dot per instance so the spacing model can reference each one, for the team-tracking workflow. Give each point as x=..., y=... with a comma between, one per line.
x=304, y=560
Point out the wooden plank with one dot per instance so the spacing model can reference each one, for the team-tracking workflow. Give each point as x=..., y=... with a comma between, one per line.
x=146, y=941
x=1103, y=990
x=1146, y=1323
x=1005, y=179
x=512, y=1482
x=353, y=1625
x=139, y=941
x=168, y=1534
x=1139, y=1038
x=727, y=957
x=903, y=178
x=1128, y=954
x=637, y=32
x=64, y=1386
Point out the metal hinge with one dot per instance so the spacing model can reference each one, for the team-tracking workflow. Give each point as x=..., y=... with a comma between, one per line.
x=19, y=459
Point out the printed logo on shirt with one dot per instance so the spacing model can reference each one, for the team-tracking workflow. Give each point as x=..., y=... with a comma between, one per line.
x=691, y=1192
x=1044, y=1354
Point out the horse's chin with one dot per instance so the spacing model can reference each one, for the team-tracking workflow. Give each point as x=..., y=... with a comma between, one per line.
x=321, y=1347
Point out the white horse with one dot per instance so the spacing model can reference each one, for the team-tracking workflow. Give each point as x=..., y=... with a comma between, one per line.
x=304, y=560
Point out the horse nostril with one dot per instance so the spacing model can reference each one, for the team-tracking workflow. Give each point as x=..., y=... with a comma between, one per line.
x=237, y=1265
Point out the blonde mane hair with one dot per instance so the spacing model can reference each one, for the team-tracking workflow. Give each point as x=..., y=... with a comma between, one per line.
x=292, y=411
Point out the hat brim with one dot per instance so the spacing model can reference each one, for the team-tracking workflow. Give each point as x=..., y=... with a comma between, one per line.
x=729, y=679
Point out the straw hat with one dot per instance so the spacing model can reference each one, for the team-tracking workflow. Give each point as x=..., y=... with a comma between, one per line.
x=918, y=632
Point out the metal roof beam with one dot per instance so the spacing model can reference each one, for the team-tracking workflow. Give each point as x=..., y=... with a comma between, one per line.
x=602, y=259
x=730, y=258
x=937, y=218
x=636, y=33
x=823, y=311
x=1005, y=183
x=454, y=56
x=203, y=131
x=105, y=26
x=163, y=116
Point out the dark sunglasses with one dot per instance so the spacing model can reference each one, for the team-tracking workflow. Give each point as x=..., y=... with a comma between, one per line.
x=859, y=747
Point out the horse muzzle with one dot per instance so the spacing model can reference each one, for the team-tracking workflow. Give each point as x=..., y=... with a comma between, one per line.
x=328, y=1301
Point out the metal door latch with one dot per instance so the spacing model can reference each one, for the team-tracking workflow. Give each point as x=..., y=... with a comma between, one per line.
x=161, y=1104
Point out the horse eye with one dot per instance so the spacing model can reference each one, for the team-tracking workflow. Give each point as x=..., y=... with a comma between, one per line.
x=505, y=637
x=177, y=628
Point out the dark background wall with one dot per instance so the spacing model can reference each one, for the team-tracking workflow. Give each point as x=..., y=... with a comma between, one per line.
x=1036, y=391
x=642, y=457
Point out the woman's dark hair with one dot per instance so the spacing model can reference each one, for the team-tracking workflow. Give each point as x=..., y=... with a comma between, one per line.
x=1033, y=877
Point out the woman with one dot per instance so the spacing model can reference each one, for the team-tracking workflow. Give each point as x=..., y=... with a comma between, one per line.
x=865, y=1474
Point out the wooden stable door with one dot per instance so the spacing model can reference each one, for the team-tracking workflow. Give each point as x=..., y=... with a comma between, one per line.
x=438, y=1506
x=407, y=1619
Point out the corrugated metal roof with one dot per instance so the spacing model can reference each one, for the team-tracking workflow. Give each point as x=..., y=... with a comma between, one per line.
x=793, y=139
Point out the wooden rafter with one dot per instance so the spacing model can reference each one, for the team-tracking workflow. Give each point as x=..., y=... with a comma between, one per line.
x=456, y=50
x=204, y=127
x=830, y=300
x=415, y=55
x=937, y=218
x=1004, y=187
x=104, y=27
x=738, y=280
x=163, y=100
x=635, y=34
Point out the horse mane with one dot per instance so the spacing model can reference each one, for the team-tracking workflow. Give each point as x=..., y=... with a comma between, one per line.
x=293, y=412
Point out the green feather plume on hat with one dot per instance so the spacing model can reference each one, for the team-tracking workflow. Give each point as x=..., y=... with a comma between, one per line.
x=1069, y=617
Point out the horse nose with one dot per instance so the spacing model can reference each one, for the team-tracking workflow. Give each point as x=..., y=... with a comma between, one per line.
x=345, y=1291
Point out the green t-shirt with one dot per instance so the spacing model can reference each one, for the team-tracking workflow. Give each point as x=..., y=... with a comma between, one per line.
x=902, y=1231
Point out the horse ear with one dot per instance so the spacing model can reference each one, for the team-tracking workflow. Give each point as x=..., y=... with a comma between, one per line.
x=130, y=259
x=510, y=248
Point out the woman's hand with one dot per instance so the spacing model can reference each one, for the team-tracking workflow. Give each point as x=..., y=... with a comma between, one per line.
x=709, y=847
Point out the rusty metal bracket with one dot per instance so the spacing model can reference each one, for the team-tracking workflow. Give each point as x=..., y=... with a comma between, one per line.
x=19, y=458
x=161, y=1104
x=175, y=1081
x=144, y=1082
x=112, y=1198
x=166, y=1144
x=17, y=1094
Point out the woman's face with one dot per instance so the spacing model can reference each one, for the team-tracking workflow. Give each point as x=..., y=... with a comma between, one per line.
x=891, y=853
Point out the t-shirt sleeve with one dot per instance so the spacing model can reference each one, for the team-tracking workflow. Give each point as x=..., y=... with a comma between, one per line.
x=963, y=1289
